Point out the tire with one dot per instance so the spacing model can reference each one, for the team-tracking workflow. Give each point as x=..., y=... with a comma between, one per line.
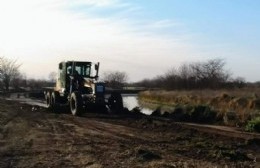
x=48, y=100
x=55, y=101
x=76, y=104
x=115, y=102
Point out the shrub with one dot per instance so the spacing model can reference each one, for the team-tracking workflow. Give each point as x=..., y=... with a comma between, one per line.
x=202, y=114
x=135, y=111
x=253, y=125
x=231, y=118
x=157, y=112
x=179, y=114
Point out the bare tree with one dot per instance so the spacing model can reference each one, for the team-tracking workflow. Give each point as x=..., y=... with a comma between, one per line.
x=9, y=69
x=53, y=76
x=239, y=82
x=17, y=81
x=186, y=76
x=196, y=75
x=171, y=77
x=115, y=79
x=210, y=74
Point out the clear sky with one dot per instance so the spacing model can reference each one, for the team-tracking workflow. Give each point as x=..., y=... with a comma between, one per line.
x=144, y=38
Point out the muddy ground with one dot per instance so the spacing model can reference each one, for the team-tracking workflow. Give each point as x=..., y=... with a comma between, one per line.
x=35, y=137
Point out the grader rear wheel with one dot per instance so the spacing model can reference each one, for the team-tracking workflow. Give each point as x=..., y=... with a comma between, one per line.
x=48, y=100
x=55, y=101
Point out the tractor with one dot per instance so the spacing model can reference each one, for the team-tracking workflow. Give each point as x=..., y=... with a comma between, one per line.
x=77, y=87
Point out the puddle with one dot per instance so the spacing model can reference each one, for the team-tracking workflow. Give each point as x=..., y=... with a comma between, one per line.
x=23, y=98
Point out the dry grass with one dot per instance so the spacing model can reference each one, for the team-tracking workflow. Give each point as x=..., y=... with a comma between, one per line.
x=238, y=104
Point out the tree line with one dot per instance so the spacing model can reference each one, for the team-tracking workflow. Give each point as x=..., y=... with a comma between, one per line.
x=11, y=77
x=210, y=74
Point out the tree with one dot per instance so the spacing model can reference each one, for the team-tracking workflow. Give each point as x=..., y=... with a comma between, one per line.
x=115, y=79
x=210, y=74
x=18, y=81
x=52, y=77
x=196, y=75
x=9, y=69
x=239, y=82
x=186, y=77
x=169, y=80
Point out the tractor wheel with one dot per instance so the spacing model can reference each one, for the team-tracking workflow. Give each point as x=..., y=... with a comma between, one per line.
x=76, y=103
x=55, y=101
x=115, y=102
x=48, y=100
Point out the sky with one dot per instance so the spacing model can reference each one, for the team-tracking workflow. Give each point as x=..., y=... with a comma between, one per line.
x=144, y=38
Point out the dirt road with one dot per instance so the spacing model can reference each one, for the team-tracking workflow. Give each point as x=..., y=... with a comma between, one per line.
x=35, y=137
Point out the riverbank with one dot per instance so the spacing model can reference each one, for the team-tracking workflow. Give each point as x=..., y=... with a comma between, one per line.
x=227, y=107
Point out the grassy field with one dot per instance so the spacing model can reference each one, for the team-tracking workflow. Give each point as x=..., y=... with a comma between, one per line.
x=230, y=107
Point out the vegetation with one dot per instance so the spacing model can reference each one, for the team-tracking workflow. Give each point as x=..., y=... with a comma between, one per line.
x=115, y=79
x=253, y=125
x=187, y=113
x=9, y=71
x=202, y=92
x=12, y=78
x=230, y=107
x=210, y=74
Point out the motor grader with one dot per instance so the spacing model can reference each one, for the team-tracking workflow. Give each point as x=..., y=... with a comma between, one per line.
x=77, y=87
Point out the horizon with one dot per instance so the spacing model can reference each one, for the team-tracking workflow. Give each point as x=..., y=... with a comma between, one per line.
x=142, y=38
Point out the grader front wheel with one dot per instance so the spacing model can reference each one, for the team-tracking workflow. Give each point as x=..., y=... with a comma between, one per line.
x=115, y=102
x=76, y=103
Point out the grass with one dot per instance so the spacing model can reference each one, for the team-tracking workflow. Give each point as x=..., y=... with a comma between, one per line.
x=253, y=125
x=233, y=107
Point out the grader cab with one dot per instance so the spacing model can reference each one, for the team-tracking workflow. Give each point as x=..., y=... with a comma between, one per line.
x=77, y=86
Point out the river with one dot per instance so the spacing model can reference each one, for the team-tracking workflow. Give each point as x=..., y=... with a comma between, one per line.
x=131, y=101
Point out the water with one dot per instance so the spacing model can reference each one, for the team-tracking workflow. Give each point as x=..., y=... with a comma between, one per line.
x=131, y=101
x=23, y=98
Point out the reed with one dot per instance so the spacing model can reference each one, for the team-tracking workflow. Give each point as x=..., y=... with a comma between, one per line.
x=236, y=106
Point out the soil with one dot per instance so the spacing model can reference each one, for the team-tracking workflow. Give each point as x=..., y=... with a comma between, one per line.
x=32, y=136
